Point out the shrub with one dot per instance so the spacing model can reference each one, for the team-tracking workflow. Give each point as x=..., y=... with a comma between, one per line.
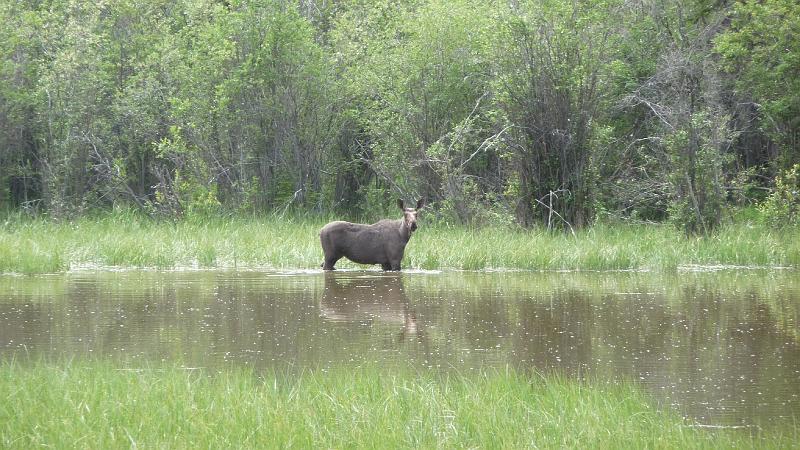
x=782, y=207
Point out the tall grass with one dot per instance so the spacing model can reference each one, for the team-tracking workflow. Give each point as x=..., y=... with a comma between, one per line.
x=131, y=241
x=105, y=405
x=602, y=247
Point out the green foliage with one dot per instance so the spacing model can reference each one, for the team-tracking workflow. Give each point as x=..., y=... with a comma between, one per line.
x=697, y=176
x=129, y=239
x=490, y=110
x=782, y=207
x=418, y=73
x=552, y=62
x=188, y=188
x=762, y=49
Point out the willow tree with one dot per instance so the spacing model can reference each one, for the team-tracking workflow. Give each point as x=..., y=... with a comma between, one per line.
x=419, y=77
x=551, y=59
x=761, y=48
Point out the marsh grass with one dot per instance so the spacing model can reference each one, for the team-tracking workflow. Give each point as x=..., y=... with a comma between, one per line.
x=603, y=247
x=270, y=242
x=93, y=404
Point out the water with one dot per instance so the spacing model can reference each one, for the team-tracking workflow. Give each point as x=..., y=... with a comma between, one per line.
x=723, y=347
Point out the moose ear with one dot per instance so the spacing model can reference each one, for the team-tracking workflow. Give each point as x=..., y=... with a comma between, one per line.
x=400, y=204
x=420, y=203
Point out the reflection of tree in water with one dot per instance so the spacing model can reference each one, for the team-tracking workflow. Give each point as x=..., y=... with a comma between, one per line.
x=25, y=327
x=555, y=334
x=730, y=360
x=195, y=318
x=711, y=354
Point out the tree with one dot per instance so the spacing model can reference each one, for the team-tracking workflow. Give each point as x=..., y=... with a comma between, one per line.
x=254, y=105
x=761, y=48
x=419, y=76
x=688, y=126
x=551, y=61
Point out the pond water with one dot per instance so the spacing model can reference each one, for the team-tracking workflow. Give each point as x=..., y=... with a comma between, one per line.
x=721, y=347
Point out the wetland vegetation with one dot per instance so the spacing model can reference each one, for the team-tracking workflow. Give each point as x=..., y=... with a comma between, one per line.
x=100, y=404
x=273, y=242
x=546, y=136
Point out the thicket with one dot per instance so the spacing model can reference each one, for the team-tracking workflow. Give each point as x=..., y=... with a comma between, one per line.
x=540, y=112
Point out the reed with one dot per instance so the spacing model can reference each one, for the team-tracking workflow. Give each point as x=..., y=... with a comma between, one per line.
x=270, y=242
x=603, y=247
x=92, y=404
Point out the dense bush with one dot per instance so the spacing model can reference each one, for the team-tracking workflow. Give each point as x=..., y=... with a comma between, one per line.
x=782, y=207
x=535, y=111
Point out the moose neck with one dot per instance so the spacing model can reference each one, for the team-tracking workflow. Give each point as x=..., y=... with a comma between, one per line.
x=405, y=231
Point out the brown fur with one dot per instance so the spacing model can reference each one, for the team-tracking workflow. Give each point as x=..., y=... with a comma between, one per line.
x=381, y=243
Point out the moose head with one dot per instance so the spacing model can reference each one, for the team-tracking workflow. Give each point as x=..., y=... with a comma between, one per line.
x=410, y=214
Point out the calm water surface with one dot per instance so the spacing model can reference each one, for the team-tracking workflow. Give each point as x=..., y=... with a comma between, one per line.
x=722, y=348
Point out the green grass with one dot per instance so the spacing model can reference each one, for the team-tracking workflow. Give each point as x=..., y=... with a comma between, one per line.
x=130, y=241
x=106, y=405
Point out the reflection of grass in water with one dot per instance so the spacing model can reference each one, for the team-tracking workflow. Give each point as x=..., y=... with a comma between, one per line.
x=102, y=405
x=765, y=297
x=128, y=240
x=670, y=287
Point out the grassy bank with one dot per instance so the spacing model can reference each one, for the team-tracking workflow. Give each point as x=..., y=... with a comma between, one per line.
x=100, y=405
x=39, y=246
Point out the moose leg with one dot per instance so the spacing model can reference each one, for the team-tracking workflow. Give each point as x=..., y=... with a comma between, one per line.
x=329, y=263
x=386, y=266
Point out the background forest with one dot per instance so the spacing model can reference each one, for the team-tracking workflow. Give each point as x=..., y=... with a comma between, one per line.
x=537, y=113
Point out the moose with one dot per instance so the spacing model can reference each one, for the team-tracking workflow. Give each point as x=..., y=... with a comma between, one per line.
x=380, y=243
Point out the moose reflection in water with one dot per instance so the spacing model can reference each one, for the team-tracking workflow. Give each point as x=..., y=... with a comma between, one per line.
x=381, y=243
x=371, y=299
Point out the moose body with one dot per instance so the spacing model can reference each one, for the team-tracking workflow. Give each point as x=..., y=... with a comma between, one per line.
x=381, y=243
